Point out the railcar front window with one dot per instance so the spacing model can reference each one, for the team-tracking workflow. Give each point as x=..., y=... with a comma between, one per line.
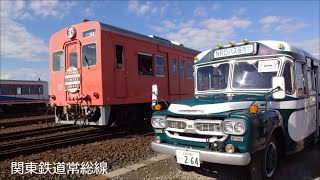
x=73, y=59
x=89, y=55
x=58, y=61
x=213, y=77
x=254, y=74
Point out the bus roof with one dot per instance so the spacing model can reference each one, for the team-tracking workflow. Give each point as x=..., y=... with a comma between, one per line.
x=264, y=47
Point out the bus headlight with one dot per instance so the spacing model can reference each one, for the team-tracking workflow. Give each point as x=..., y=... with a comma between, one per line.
x=234, y=126
x=239, y=127
x=159, y=121
x=227, y=127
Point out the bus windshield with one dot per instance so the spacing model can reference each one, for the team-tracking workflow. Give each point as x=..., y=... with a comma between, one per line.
x=254, y=74
x=213, y=77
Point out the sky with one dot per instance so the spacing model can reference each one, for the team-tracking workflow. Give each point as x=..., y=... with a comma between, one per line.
x=26, y=26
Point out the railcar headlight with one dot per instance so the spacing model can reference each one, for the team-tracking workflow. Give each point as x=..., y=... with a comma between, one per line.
x=239, y=127
x=234, y=126
x=159, y=121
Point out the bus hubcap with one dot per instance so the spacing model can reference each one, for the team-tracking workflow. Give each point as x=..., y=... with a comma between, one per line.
x=271, y=159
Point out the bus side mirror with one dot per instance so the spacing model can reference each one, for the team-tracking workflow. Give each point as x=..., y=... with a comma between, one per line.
x=278, y=82
x=154, y=95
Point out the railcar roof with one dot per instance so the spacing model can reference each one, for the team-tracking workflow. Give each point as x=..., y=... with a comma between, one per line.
x=20, y=81
x=207, y=55
x=157, y=40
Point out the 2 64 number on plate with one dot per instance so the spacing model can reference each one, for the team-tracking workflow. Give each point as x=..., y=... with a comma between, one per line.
x=188, y=158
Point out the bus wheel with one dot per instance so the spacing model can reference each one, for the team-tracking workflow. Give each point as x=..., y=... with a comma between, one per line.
x=264, y=162
x=181, y=167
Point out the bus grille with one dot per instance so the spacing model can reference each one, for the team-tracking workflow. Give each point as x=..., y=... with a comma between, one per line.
x=177, y=124
x=208, y=127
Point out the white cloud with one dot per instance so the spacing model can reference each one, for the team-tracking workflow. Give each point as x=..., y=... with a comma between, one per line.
x=88, y=12
x=200, y=11
x=141, y=8
x=239, y=11
x=269, y=21
x=18, y=43
x=165, y=26
x=290, y=27
x=13, y=10
x=215, y=7
x=25, y=73
x=280, y=24
x=51, y=8
x=205, y=34
x=168, y=24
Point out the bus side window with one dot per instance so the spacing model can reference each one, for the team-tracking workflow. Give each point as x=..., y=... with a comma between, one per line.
x=287, y=74
x=300, y=79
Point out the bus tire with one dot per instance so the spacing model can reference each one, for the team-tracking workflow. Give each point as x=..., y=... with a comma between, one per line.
x=264, y=162
x=181, y=167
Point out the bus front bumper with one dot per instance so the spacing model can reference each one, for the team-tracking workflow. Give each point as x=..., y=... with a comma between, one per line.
x=239, y=159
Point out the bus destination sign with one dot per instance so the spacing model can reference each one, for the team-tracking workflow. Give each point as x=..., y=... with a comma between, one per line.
x=233, y=51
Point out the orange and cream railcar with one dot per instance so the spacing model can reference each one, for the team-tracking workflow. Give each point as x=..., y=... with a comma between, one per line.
x=101, y=73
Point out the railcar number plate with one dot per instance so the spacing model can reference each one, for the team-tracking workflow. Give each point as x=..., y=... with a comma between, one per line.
x=188, y=158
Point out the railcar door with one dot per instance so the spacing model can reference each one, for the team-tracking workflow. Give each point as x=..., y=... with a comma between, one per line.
x=120, y=70
x=186, y=77
x=72, y=70
x=174, y=80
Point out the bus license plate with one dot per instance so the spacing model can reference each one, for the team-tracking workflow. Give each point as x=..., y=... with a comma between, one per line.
x=188, y=158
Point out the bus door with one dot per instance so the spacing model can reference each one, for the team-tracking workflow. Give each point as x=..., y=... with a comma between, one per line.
x=120, y=70
x=317, y=75
x=174, y=80
x=72, y=78
x=313, y=101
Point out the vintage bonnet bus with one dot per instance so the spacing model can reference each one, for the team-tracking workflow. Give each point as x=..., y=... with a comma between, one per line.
x=254, y=102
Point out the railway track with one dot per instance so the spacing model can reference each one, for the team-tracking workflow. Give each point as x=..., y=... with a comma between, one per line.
x=35, y=132
x=8, y=124
x=13, y=149
x=4, y=115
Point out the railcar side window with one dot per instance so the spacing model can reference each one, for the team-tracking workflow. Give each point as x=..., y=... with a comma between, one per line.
x=190, y=70
x=145, y=64
x=174, y=68
x=287, y=74
x=4, y=89
x=25, y=90
x=73, y=59
x=182, y=69
x=119, y=56
x=40, y=87
x=160, y=66
x=89, y=55
x=300, y=76
x=57, y=61
x=18, y=90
